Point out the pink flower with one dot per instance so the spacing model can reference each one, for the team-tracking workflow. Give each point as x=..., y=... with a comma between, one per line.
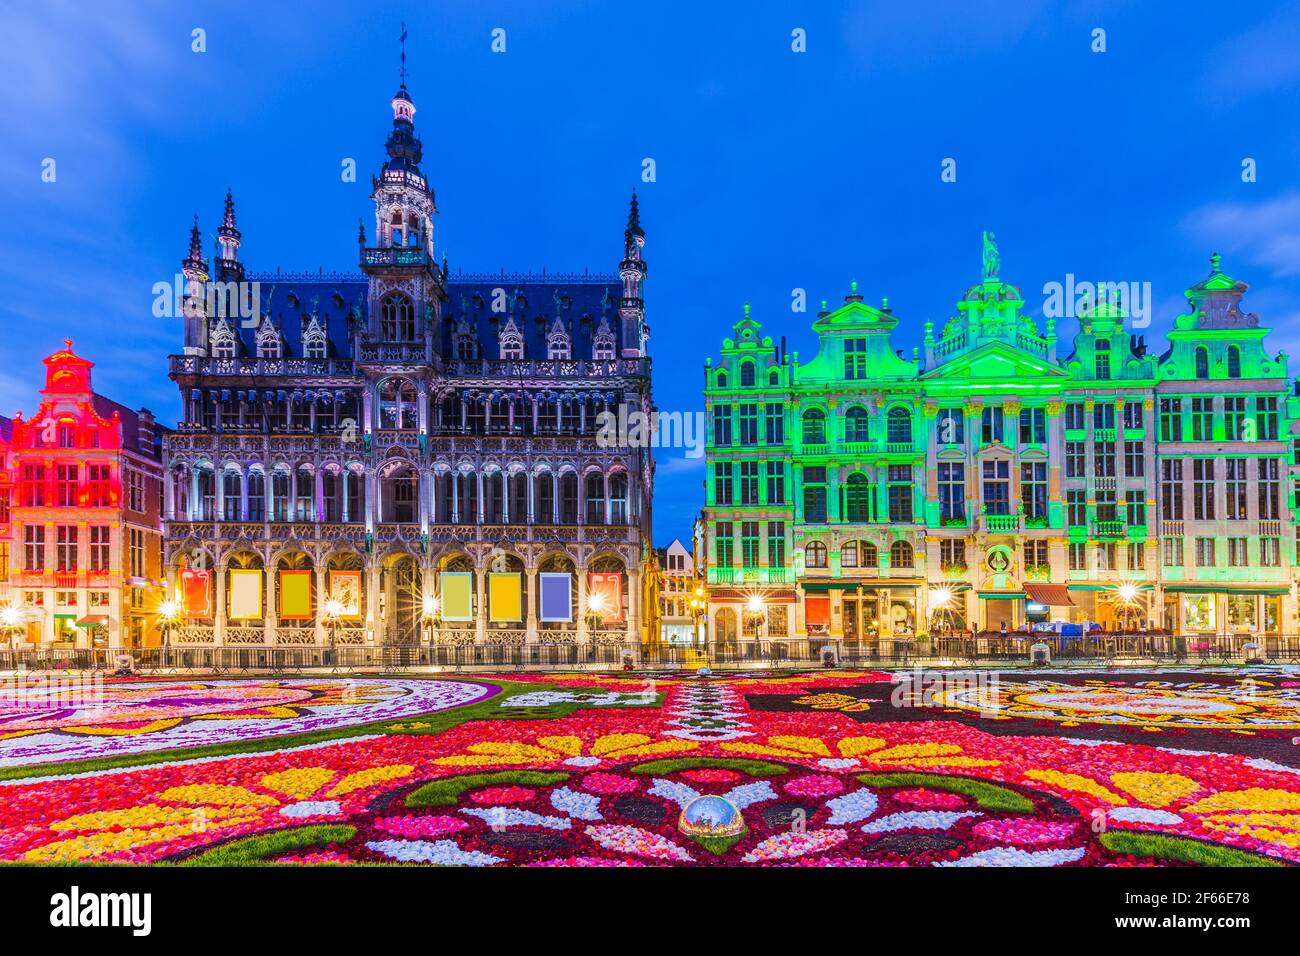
x=1024, y=831
x=498, y=795
x=930, y=798
x=710, y=775
x=433, y=826
x=816, y=785
x=607, y=783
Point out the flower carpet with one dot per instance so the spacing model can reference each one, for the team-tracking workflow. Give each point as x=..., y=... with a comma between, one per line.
x=827, y=768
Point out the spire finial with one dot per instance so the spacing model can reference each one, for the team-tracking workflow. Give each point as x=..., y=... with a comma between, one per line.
x=1214, y=261
x=402, y=40
x=68, y=344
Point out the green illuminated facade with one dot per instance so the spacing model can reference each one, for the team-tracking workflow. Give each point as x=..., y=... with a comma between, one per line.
x=868, y=495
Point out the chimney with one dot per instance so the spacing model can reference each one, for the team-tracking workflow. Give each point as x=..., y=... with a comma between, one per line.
x=145, y=430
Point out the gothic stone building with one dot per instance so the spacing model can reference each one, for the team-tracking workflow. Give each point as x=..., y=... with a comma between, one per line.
x=404, y=455
x=868, y=496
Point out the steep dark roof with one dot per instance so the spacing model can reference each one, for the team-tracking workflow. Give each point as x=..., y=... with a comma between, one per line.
x=581, y=301
x=6, y=429
x=105, y=407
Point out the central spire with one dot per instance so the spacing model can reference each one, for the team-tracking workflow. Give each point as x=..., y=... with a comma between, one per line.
x=402, y=72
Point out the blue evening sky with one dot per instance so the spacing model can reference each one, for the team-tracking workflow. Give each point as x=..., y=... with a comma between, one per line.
x=775, y=170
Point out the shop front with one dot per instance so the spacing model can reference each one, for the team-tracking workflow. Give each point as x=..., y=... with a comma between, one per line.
x=1207, y=611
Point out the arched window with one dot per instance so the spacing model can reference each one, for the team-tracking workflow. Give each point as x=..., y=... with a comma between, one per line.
x=595, y=497
x=868, y=555
x=397, y=318
x=231, y=489
x=855, y=424
x=1202, y=356
x=512, y=344
x=256, y=495
x=815, y=554
x=814, y=427
x=898, y=426
x=900, y=555
x=305, y=506
x=618, y=490
x=722, y=380
x=1234, y=362
x=747, y=375
x=397, y=404
x=857, y=498
x=774, y=378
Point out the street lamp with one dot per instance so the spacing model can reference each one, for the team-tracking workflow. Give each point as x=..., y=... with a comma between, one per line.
x=595, y=613
x=432, y=613
x=11, y=622
x=1126, y=596
x=168, y=611
x=940, y=602
x=755, y=614
x=333, y=611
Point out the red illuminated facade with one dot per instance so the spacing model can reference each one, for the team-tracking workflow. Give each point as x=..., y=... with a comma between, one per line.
x=80, y=529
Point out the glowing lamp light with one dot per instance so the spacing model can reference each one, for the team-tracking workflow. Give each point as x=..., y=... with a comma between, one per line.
x=1128, y=592
x=333, y=608
x=754, y=604
x=596, y=603
x=432, y=605
x=10, y=617
x=939, y=597
x=168, y=610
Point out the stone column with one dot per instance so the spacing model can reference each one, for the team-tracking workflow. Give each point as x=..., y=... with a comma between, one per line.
x=219, y=618
x=272, y=613
x=321, y=636
x=530, y=615
x=480, y=604
x=583, y=636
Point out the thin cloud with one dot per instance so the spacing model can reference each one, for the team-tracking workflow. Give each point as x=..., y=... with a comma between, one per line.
x=1266, y=233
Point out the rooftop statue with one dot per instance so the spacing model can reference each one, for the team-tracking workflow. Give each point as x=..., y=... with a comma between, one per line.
x=992, y=261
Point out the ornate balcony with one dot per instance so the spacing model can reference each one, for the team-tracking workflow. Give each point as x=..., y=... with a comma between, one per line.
x=187, y=365
x=1108, y=529
x=751, y=576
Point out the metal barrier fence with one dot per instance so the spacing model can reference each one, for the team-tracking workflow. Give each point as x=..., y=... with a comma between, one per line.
x=991, y=648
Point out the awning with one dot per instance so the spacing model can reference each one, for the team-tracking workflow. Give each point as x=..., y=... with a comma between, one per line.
x=92, y=620
x=1188, y=587
x=817, y=610
x=737, y=594
x=1002, y=595
x=1053, y=595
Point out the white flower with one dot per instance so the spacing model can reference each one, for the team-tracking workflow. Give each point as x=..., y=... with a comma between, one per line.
x=1143, y=815
x=311, y=808
x=917, y=819
x=852, y=807
x=513, y=817
x=581, y=806
x=1009, y=856
x=441, y=852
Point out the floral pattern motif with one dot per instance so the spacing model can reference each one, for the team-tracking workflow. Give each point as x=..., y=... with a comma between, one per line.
x=605, y=786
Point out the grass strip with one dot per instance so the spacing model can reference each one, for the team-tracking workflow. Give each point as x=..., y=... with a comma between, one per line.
x=447, y=790
x=1162, y=846
x=989, y=796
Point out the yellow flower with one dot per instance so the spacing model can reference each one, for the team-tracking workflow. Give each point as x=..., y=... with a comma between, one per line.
x=191, y=809
x=868, y=748
x=566, y=749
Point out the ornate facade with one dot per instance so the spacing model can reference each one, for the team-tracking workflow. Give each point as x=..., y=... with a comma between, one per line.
x=80, y=526
x=423, y=445
x=868, y=496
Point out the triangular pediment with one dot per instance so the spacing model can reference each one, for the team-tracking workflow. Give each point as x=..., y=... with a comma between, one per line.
x=996, y=362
